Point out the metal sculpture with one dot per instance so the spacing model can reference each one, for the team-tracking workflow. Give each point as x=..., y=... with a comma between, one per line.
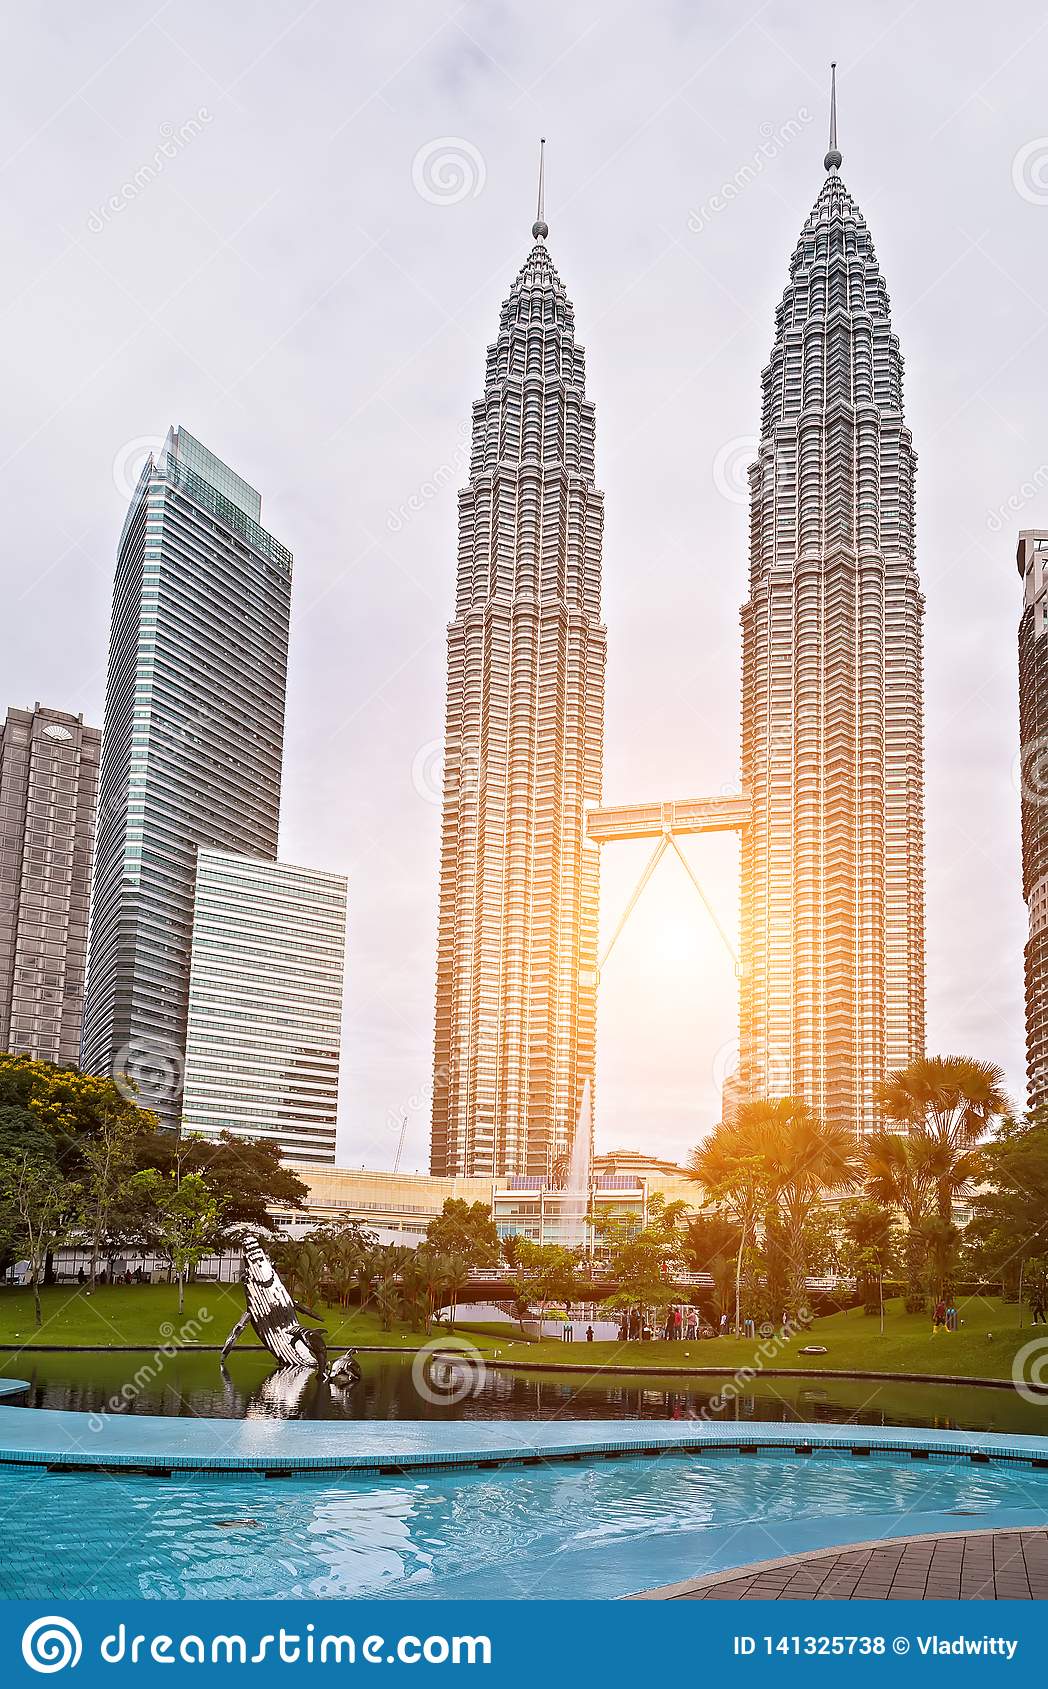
x=271, y=1312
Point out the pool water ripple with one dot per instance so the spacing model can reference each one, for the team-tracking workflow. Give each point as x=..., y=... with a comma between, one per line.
x=592, y=1529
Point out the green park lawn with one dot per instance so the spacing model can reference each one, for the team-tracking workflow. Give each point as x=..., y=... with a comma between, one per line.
x=147, y=1316
x=984, y=1347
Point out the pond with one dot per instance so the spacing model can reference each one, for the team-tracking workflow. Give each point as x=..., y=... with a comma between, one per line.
x=194, y=1384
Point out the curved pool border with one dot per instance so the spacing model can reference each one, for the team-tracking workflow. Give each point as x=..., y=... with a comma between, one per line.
x=63, y=1441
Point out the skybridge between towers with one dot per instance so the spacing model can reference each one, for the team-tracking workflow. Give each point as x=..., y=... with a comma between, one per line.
x=666, y=822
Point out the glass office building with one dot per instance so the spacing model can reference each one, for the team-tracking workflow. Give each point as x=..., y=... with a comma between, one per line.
x=191, y=748
x=265, y=1004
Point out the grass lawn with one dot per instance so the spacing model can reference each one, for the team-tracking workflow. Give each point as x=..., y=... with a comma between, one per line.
x=984, y=1347
x=147, y=1316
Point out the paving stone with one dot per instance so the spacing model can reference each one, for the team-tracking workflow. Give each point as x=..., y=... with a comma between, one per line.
x=986, y=1566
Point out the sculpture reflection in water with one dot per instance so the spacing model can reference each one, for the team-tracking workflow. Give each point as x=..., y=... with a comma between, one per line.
x=301, y=1354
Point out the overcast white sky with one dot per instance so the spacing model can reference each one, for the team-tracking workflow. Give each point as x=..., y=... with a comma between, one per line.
x=293, y=276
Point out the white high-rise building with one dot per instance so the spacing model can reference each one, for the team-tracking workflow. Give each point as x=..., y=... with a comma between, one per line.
x=517, y=941
x=832, y=981
x=265, y=1003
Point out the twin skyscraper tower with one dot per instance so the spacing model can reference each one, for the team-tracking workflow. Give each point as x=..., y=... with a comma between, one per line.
x=830, y=817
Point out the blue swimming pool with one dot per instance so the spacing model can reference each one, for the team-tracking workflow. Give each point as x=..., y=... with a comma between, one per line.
x=595, y=1529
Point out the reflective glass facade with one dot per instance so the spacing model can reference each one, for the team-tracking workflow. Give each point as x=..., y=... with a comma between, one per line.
x=191, y=749
x=265, y=1003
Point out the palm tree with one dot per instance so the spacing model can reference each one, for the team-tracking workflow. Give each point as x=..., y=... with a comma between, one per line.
x=807, y=1159
x=902, y=1173
x=732, y=1168
x=952, y=1101
x=710, y=1245
x=456, y=1278
x=431, y=1266
x=414, y=1298
x=342, y=1253
x=364, y=1273
x=300, y=1262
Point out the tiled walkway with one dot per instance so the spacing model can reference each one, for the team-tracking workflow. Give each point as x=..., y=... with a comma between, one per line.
x=966, y=1566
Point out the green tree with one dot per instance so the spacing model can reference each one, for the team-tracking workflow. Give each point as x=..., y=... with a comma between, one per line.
x=545, y=1273
x=245, y=1176
x=21, y=1134
x=901, y=1173
x=44, y=1210
x=345, y=1243
x=465, y=1228
x=455, y=1268
x=952, y=1102
x=71, y=1105
x=1009, y=1223
x=808, y=1159
x=643, y=1257
x=187, y=1217
x=942, y=1246
x=91, y=1124
x=869, y=1249
x=107, y=1159
x=733, y=1168
x=711, y=1245
x=420, y=1280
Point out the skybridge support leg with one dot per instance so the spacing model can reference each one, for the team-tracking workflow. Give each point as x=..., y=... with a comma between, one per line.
x=656, y=857
x=665, y=843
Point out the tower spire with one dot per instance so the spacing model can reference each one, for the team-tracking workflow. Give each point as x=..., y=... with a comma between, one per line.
x=540, y=228
x=832, y=161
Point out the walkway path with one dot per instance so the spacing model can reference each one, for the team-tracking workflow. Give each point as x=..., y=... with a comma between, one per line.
x=963, y=1566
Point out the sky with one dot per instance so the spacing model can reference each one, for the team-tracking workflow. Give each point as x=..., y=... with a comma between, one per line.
x=289, y=227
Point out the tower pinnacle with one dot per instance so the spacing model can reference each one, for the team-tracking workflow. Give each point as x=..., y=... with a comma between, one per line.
x=540, y=228
x=832, y=161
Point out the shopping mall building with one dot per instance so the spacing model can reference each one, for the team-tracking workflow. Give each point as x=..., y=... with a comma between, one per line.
x=399, y=1206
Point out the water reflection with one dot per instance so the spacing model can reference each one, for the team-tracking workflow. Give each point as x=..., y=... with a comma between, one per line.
x=192, y=1385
